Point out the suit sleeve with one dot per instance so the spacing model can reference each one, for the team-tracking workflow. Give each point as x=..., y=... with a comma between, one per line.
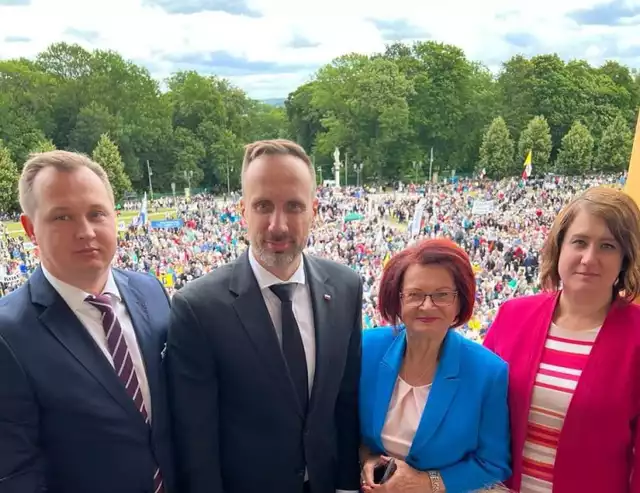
x=193, y=398
x=490, y=463
x=347, y=417
x=21, y=463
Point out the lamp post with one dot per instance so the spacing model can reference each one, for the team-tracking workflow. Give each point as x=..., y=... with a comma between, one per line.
x=150, y=185
x=358, y=169
x=431, y=165
x=229, y=169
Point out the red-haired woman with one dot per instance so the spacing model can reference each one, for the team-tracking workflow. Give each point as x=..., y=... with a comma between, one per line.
x=429, y=398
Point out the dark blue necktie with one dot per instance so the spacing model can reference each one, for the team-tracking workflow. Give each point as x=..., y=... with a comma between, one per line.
x=292, y=346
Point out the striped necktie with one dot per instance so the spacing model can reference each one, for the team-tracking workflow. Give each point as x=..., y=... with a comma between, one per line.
x=122, y=362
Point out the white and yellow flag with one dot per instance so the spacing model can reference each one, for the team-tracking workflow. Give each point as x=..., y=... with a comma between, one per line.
x=527, y=166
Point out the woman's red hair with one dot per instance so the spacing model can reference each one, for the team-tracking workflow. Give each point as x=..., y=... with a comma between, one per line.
x=439, y=251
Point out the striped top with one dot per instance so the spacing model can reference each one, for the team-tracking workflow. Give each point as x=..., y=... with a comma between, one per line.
x=563, y=359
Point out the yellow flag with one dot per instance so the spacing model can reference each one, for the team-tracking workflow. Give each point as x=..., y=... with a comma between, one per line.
x=386, y=259
x=527, y=161
x=632, y=186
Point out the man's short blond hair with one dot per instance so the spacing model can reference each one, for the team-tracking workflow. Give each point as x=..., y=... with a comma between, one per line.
x=62, y=161
x=275, y=147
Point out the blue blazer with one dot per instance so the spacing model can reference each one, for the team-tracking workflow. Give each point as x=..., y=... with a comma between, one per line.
x=67, y=424
x=464, y=429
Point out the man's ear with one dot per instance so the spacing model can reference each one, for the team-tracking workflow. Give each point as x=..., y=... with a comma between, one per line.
x=27, y=225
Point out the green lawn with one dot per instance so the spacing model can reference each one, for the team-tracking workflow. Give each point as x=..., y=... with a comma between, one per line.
x=15, y=228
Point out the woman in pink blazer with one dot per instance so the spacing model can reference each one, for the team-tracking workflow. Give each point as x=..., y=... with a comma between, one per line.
x=574, y=354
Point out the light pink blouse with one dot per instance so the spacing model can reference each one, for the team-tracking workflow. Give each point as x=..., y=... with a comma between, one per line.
x=403, y=418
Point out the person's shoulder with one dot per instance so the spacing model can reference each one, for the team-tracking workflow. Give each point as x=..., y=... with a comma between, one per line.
x=14, y=310
x=527, y=303
x=479, y=357
x=379, y=337
x=144, y=279
x=333, y=268
x=630, y=310
x=208, y=284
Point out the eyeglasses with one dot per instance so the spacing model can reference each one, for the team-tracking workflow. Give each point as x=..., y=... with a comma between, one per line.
x=439, y=299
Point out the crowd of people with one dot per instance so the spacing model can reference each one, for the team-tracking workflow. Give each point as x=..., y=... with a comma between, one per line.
x=501, y=224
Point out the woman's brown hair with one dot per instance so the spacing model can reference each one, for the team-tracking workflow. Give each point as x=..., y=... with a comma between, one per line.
x=621, y=215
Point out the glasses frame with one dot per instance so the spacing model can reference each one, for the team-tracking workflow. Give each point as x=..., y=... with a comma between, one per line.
x=438, y=304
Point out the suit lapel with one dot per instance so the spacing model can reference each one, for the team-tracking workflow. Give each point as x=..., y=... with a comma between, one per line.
x=326, y=331
x=444, y=388
x=387, y=377
x=138, y=312
x=65, y=326
x=256, y=321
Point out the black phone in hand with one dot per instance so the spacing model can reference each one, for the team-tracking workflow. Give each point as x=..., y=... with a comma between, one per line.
x=383, y=471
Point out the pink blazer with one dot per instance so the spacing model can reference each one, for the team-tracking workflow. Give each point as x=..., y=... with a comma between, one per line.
x=595, y=450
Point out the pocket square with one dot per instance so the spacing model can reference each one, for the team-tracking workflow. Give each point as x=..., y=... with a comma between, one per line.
x=163, y=353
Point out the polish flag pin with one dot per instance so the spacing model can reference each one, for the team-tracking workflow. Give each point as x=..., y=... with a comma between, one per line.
x=327, y=297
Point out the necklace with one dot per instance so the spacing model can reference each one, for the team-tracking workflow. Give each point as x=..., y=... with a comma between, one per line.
x=420, y=377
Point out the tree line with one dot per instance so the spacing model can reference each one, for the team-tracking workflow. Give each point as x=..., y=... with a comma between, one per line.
x=385, y=112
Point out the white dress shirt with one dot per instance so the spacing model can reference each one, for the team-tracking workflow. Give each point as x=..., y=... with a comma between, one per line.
x=91, y=319
x=302, y=311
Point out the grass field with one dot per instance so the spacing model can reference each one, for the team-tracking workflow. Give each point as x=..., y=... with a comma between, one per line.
x=15, y=228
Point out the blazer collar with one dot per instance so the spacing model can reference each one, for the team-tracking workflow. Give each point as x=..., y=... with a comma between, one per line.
x=65, y=326
x=444, y=388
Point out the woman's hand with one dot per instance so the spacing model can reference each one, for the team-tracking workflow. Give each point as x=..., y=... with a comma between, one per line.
x=406, y=479
x=369, y=464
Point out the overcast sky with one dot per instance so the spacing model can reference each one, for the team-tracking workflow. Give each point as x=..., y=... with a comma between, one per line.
x=269, y=47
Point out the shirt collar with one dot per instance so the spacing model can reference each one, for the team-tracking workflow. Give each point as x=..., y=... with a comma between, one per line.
x=75, y=297
x=266, y=279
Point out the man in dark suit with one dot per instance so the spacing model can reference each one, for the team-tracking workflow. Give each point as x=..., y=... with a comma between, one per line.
x=263, y=355
x=82, y=397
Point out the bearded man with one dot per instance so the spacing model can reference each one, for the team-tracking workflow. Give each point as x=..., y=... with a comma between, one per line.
x=263, y=354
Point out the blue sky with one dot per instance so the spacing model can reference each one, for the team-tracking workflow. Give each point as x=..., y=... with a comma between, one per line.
x=269, y=47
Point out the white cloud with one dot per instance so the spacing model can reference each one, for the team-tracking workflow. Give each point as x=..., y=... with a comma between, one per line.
x=150, y=35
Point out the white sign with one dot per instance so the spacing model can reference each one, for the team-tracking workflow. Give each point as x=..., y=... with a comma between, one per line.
x=481, y=207
x=122, y=226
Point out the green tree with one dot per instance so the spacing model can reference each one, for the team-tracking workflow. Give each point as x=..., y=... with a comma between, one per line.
x=304, y=117
x=366, y=114
x=92, y=122
x=576, y=152
x=45, y=145
x=614, y=150
x=8, y=181
x=496, y=151
x=537, y=139
x=107, y=155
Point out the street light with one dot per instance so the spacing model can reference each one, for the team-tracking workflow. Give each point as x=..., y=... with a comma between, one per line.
x=229, y=168
x=319, y=170
x=358, y=169
x=150, y=174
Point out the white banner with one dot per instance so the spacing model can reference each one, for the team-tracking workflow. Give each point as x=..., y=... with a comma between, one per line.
x=414, y=225
x=481, y=207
